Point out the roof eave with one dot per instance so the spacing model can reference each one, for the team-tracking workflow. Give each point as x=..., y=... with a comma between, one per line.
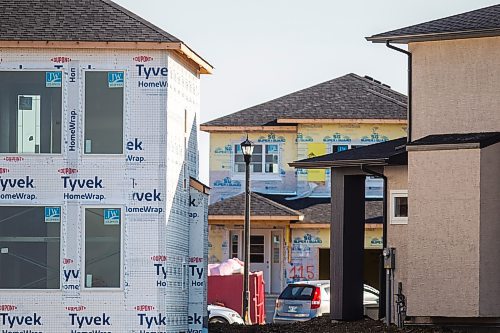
x=179, y=47
x=405, y=39
x=243, y=128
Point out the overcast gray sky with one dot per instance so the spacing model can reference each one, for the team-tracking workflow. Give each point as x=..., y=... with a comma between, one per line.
x=263, y=49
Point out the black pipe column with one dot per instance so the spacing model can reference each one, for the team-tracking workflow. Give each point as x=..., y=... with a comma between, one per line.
x=347, y=245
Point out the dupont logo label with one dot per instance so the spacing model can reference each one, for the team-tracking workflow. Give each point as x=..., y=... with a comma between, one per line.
x=67, y=171
x=144, y=308
x=82, y=184
x=7, y=307
x=18, y=322
x=13, y=158
x=53, y=79
x=60, y=60
x=14, y=185
x=76, y=308
x=143, y=58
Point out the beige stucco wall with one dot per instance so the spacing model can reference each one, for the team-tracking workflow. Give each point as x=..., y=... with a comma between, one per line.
x=490, y=232
x=443, y=233
x=455, y=86
x=397, y=234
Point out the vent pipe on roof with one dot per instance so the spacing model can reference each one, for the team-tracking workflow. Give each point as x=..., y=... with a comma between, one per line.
x=388, y=44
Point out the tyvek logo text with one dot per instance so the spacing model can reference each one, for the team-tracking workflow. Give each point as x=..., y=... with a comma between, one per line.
x=80, y=321
x=12, y=320
x=134, y=146
x=24, y=183
x=147, y=73
x=73, y=184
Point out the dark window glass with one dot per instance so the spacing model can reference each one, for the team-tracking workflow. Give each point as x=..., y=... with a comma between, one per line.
x=102, y=247
x=401, y=207
x=298, y=293
x=30, y=247
x=103, y=113
x=30, y=112
x=257, y=249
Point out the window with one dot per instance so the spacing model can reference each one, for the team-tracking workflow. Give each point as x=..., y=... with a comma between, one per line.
x=104, y=112
x=256, y=249
x=265, y=159
x=102, y=247
x=30, y=247
x=30, y=112
x=235, y=244
x=399, y=207
x=335, y=148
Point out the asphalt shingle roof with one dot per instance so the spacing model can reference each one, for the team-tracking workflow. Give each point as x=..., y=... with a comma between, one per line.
x=75, y=20
x=347, y=97
x=319, y=210
x=314, y=210
x=259, y=206
x=476, y=23
x=391, y=152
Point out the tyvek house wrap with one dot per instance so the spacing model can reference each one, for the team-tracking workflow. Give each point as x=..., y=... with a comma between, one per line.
x=149, y=182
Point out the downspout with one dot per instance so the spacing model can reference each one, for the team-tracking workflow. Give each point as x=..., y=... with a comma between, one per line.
x=388, y=44
x=384, y=297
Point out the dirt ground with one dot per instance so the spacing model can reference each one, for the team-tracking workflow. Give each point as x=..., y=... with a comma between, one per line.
x=321, y=325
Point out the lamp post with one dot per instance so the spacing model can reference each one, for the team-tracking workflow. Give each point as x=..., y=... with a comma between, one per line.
x=247, y=149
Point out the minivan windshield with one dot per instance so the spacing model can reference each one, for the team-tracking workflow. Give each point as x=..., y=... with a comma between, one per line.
x=298, y=292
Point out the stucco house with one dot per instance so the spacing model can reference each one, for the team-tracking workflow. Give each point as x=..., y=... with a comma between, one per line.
x=442, y=184
x=347, y=112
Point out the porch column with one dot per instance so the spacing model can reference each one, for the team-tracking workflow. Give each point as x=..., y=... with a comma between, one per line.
x=347, y=244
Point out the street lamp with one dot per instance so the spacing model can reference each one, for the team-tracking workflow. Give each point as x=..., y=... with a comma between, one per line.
x=247, y=149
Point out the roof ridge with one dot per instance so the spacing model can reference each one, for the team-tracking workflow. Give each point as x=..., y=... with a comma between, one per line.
x=393, y=100
x=140, y=19
x=380, y=85
x=276, y=204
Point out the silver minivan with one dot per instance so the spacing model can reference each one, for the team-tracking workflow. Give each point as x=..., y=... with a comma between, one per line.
x=309, y=299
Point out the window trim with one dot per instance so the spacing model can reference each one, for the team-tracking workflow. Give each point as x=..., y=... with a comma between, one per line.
x=61, y=266
x=83, y=247
x=397, y=194
x=259, y=175
x=63, y=118
x=84, y=113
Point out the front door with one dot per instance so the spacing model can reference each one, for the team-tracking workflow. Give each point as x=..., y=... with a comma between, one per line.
x=260, y=255
x=276, y=259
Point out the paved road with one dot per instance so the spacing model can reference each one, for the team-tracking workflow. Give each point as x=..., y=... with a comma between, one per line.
x=270, y=303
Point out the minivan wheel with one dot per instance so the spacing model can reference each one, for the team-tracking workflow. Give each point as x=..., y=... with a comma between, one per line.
x=218, y=320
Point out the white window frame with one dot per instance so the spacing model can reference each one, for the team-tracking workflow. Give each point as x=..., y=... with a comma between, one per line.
x=61, y=266
x=63, y=103
x=397, y=194
x=83, y=254
x=258, y=175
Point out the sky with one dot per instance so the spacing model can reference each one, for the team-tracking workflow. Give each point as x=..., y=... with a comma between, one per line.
x=264, y=49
